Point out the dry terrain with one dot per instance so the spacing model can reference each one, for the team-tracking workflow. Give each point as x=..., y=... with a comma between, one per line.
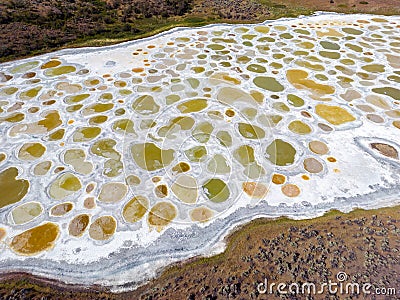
x=29, y=27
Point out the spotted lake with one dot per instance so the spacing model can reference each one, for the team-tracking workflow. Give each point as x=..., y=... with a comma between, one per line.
x=117, y=161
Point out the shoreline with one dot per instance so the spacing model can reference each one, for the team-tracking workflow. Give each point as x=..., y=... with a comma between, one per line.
x=331, y=222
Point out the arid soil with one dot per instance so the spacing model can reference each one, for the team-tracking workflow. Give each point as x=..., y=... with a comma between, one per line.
x=27, y=26
x=363, y=244
x=232, y=10
x=390, y=7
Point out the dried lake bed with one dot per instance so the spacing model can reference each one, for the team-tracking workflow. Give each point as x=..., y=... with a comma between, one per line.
x=116, y=161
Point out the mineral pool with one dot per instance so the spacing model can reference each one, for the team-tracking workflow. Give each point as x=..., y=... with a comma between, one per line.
x=116, y=161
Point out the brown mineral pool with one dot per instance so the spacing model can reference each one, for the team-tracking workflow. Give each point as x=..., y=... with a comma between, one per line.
x=385, y=149
x=318, y=147
x=192, y=105
x=137, y=70
x=61, y=209
x=51, y=64
x=85, y=134
x=294, y=100
x=281, y=153
x=225, y=138
x=335, y=115
x=29, y=94
x=312, y=165
x=35, y=240
x=145, y=105
x=216, y=190
x=196, y=154
x=375, y=118
x=299, y=127
x=201, y=214
x=298, y=78
x=290, y=190
x=331, y=159
x=218, y=165
x=132, y=180
x=3, y=233
x=90, y=187
x=78, y=225
x=161, y=191
x=244, y=154
x=161, y=214
x=185, y=188
x=149, y=157
x=268, y=83
x=230, y=113
x=76, y=158
x=12, y=190
x=89, y=203
x=26, y=212
x=59, y=71
x=113, y=192
x=135, y=209
x=64, y=185
x=255, y=189
x=103, y=228
x=181, y=167
x=25, y=67
x=250, y=131
x=31, y=151
x=278, y=179
x=105, y=148
x=389, y=91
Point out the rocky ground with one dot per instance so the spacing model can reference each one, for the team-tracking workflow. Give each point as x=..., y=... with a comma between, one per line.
x=232, y=10
x=28, y=26
x=363, y=244
x=387, y=7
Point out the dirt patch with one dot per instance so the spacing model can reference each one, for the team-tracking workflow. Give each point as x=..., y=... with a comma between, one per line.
x=390, y=7
x=386, y=150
